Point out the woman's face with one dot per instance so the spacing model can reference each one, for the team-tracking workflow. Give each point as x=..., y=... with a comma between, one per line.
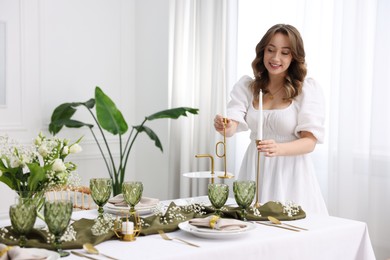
x=277, y=55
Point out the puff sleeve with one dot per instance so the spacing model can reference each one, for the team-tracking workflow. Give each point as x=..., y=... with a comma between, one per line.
x=241, y=98
x=311, y=114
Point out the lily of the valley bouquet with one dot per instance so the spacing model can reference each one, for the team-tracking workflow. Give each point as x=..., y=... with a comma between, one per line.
x=34, y=169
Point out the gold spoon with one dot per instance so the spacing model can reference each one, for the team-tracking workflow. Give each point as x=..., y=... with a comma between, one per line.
x=93, y=250
x=277, y=222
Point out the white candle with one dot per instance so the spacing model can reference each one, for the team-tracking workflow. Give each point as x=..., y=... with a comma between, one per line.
x=260, y=117
x=224, y=102
x=127, y=227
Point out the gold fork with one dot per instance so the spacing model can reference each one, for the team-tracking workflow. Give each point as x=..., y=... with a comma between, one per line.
x=165, y=236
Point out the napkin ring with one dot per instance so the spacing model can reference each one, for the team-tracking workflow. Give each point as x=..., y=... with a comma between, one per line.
x=5, y=250
x=213, y=221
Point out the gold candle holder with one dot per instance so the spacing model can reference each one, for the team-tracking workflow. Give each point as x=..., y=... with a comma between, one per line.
x=223, y=143
x=134, y=218
x=257, y=203
x=212, y=163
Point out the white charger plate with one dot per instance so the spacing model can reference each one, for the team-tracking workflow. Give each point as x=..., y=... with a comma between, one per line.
x=216, y=234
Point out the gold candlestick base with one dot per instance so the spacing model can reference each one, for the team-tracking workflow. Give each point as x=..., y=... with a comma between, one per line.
x=226, y=176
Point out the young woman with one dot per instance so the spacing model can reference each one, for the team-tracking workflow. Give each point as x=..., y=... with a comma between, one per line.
x=293, y=121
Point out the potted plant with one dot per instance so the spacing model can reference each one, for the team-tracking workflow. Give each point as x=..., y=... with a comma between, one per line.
x=108, y=117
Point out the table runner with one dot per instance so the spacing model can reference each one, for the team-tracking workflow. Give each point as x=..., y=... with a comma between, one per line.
x=168, y=222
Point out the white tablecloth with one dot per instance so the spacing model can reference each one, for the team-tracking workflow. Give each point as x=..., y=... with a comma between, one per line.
x=328, y=238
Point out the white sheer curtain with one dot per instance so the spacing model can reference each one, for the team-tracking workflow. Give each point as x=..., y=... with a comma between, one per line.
x=359, y=143
x=200, y=70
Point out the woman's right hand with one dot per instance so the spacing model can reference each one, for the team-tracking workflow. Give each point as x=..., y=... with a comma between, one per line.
x=230, y=126
x=219, y=123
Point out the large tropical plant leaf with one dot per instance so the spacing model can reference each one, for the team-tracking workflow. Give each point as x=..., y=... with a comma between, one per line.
x=152, y=135
x=64, y=112
x=173, y=113
x=108, y=115
x=70, y=123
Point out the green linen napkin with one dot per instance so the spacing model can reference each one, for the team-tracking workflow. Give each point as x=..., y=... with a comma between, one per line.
x=176, y=214
x=38, y=238
x=167, y=222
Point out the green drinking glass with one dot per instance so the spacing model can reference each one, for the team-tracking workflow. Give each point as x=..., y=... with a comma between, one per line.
x=244, y=193
x=57, y=216
x=23, y=216
x=218, y=194
x=100, y=191
x=132, y=193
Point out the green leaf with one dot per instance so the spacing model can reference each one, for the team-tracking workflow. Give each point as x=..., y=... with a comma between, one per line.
x=108, y=115
x=173, y=113
x=90, y=103
x=9, y=180
x=37, y=175
x=70, y=123
x=150, y=133
x=65, y=112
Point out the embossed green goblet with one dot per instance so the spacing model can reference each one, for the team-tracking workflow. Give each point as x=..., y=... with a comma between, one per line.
x=57, y=216
x=132, y=193
x=244, y=193
x=218, y=194
x=100, y=192
x=23, y=216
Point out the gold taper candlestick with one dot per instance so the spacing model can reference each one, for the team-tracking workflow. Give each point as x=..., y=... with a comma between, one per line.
x=212, y=163
x=223, y=143
x=257, y=203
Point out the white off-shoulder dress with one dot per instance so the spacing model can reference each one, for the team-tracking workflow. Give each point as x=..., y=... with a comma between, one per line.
x=282, y=178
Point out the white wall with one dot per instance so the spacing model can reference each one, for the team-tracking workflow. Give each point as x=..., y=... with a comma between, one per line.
x=59, y=50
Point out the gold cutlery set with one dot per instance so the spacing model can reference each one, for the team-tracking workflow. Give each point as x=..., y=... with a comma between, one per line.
x=276, y=223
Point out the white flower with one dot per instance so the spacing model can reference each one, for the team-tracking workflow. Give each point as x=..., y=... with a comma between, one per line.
x=65, y=150
x=38, y=141
x=75, y=148
x=43, y=150
x=15, y=162
x=58, y=165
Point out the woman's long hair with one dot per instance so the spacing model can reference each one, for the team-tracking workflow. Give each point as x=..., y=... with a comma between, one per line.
x=296, y=72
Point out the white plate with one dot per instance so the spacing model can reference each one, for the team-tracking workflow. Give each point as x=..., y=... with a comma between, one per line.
x=206, y=174
x=118, y=210
x=48, y=254
x=215, y=234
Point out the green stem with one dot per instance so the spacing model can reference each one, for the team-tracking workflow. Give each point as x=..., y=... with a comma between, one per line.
x=105, y=141
x=101, y=151
x=129, y=149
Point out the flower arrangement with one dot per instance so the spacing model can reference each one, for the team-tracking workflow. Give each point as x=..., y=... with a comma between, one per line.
x=109, y=118
x=36, y=168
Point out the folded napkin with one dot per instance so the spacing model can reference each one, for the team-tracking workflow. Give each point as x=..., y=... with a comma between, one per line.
x=218, y=223
x=119, y=201
x=17, y=253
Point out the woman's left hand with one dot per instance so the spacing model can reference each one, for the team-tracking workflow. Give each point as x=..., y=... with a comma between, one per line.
x=270, y=148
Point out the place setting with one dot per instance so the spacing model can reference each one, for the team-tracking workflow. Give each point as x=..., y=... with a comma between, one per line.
x=215, y=226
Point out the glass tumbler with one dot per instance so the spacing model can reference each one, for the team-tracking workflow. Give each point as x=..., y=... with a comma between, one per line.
x=100, y=192
x=244, y=193
x=218, y=194
x=23, y=216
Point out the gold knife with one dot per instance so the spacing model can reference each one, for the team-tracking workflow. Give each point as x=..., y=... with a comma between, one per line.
x=83, y=255
x=266, y=224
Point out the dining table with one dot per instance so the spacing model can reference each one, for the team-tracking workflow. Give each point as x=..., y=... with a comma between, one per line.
x=326, y=237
